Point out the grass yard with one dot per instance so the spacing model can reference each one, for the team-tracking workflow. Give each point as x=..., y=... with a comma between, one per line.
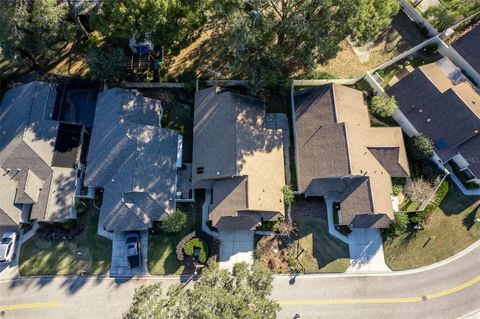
x=162, y=257
x=450, y=229
x=322, y=252
x=88, y=252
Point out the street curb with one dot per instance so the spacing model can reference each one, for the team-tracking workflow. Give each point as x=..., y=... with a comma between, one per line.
x=439, y=264
x=277, y=276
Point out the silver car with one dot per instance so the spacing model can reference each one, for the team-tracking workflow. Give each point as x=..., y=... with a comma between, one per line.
x=7, y=247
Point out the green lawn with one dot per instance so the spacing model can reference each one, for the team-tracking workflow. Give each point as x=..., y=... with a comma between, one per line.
x=88, y=252
x=322, y=252
x=162, y=258
x=450, y=229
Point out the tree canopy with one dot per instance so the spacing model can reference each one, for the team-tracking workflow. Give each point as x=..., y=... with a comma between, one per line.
x=421, y=147
x=217, y=294
x=383, y=106
x=175, y=222
x=167, y=21
x=265, y=40
x=33, y=29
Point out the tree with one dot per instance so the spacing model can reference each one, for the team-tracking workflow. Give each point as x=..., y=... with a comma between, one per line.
x=33, y=29
x=440, y=17
x=167, y=21
x=217, y=294
x=175, y=222
x=107, y=64
x=383, y=106
x=264, y=40
x=419, y=190
x=421, y=147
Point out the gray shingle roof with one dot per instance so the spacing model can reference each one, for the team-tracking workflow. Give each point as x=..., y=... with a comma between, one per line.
x=217, y=131
x=27, y=145
x=470, y=150
x=444, y=117
x=468, y=46
x=321, y=142
x=133, y=159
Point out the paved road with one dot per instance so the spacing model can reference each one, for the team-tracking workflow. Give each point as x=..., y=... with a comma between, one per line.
x=451, y=290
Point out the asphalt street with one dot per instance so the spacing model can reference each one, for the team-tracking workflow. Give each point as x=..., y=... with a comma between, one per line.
x=448, y=290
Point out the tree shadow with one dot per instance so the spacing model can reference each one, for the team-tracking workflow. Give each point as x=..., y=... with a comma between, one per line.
x=469, y=220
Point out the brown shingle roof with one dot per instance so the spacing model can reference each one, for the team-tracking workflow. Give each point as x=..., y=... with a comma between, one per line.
x=237, y=156
x=356, y=163
x=321, y=142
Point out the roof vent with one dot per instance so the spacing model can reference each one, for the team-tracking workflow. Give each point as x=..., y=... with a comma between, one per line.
x=420, y=111
x=218, y=173
x=429, y=120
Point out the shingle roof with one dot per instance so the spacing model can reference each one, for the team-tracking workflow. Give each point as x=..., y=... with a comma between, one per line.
x=434, y=113
x=340, y=155
x=321, y=140
x=389, y=158
x=468, y=46
x=235, y=154
x=470, y=150
x=132, y=159
x=216, y=130
x=27, y=145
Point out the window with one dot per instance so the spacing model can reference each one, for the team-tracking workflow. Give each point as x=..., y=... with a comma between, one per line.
x=200, y=170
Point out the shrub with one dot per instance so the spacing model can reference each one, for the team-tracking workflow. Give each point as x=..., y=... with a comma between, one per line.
x=421, y=147
x=175, y=222
x=439, y=197
x=292, y=263
x=397, y=189
x=199, y=243
x=400, y=223
x=383, y=106
x=288, y=194
x=419, y=190
x=80, y=207
x=431, y=48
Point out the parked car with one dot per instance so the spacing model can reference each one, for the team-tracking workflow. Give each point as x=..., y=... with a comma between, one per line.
x=7, y=247
x=134, y=250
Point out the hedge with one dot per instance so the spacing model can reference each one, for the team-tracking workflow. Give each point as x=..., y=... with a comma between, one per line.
x=190, y=246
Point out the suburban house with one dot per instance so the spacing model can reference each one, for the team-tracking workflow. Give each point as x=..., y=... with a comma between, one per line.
x=468, y=46
x=238, y=159
x=340, y=157
x=39, y=157
x=438, y=101
x=136, y=162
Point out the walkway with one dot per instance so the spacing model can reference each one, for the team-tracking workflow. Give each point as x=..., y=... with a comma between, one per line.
x=331, y=228
x=366, y=251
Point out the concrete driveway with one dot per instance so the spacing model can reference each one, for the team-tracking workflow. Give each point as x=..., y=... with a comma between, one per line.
x=235, y=247
x=366, y=251
x=119, y=265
